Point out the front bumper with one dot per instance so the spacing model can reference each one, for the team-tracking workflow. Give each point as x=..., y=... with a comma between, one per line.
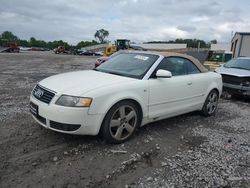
x=236, y=89
x=72, y=120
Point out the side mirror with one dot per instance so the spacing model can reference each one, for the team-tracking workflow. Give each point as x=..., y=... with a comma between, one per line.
x=163, y=74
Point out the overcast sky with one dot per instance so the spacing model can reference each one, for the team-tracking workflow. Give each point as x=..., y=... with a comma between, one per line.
x=137, y=20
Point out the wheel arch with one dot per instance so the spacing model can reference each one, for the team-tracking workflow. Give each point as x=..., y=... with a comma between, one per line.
x=127, y=99
x=138, y=105
x=214, y=86
x=213, y=89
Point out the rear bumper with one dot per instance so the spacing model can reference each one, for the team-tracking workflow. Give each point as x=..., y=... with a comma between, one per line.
x=67, y=119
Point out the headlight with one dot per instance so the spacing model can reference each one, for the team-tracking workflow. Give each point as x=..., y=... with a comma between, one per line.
x=246, y=83
x=72, y=101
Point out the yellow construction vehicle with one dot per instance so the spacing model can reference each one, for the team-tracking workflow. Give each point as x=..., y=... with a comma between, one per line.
x=120, y=44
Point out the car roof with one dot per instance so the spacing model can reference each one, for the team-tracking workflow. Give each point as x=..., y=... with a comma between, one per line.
x=172, y=54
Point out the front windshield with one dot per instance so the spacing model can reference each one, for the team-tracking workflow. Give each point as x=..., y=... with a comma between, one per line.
x=238, y=63
x=134, y=65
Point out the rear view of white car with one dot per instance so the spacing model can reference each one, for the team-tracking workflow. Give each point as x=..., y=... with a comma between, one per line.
x=127, y=91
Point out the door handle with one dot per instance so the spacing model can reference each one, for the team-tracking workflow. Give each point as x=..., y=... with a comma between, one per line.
x=189, y=83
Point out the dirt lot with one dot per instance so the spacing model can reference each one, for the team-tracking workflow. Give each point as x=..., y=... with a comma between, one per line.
x=186, y=151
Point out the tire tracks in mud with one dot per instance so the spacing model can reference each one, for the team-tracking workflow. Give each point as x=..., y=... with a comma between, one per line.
x=125, y=167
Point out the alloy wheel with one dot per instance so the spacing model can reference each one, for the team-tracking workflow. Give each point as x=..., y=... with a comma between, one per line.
x=212, y=102
x=123, y=122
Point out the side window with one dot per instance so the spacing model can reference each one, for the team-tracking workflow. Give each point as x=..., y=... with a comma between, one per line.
x=192, y=69
x=176, y=65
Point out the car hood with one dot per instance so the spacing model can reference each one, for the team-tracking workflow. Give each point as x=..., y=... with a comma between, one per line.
x=80, y=82
x=233, y=71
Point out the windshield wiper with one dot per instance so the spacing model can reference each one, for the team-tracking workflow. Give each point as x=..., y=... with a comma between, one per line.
x=109, y=72
x=115, y=73
x=95, y=69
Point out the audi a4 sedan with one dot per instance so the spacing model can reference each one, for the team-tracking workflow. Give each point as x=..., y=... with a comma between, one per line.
x=129, y=90
x=236, y=76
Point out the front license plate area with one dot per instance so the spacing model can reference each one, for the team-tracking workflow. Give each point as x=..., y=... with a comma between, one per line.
x=34, y=109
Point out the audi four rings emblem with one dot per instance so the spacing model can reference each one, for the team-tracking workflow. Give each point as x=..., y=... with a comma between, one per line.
x=38, y=93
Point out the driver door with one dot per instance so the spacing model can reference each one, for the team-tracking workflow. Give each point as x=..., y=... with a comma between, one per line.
x=170, y=96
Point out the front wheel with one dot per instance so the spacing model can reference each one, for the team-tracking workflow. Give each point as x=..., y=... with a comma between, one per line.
x=120, y=122
x=211, y=103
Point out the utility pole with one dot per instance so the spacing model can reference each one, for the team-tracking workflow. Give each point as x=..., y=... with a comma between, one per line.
x=199, y=44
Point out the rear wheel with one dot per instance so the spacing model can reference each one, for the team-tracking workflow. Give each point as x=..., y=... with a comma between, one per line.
x=120, y=122
x=211, y=103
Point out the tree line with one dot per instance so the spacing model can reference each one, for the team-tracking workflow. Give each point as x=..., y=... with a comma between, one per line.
x=100, y=35
x=8, y=36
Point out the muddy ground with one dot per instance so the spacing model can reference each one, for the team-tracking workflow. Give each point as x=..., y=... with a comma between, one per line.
x=185, y=151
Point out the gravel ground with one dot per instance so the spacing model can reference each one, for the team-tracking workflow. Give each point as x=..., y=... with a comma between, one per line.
x=221, y=159
x=185, y=151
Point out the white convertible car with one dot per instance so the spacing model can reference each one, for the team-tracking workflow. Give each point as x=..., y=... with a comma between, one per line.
x=129, y=90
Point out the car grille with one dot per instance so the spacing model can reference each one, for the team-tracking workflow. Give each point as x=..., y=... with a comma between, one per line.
x=235, y=80
x=43, y=94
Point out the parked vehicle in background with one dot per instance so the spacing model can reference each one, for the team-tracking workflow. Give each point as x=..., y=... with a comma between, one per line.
x=138, y=48
x=38, y=49
x=102, y=59
x=24, y=48
x=88, y=52
x=236, y=76
x=99, y=53
x=61, y=50
x=128, y=91
x=121, y=44
x=10, y=47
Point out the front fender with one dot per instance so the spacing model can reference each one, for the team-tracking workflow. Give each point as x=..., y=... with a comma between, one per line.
x=104, y=99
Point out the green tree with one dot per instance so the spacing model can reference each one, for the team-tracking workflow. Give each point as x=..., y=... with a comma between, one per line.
x=33, y=42
x=7, y=35
x=86, y=43
x=101, y=35
x=56, y=43
x=23, y=43
x=213, y=41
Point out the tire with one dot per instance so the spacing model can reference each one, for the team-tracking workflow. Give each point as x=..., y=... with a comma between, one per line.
x=211, y=103
x=120, y=122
